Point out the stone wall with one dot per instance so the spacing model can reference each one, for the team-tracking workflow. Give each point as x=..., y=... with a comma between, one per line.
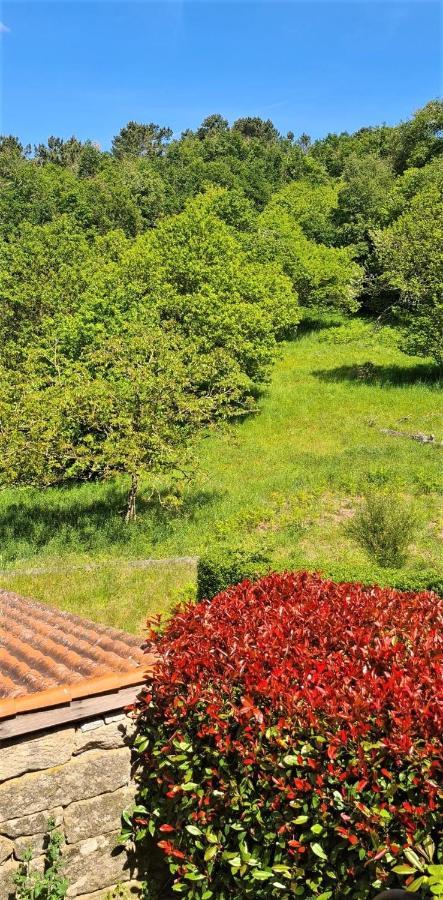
x=80, y=777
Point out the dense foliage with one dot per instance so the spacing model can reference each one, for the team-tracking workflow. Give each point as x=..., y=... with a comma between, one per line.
x=186, y=261
x=289, y=743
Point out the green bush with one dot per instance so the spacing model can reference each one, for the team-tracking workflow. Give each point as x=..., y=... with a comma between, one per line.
x=384, y=525
x=413, y=580
x=221, y=568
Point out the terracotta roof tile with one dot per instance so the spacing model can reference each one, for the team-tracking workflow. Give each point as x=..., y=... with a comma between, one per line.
x=48, y=656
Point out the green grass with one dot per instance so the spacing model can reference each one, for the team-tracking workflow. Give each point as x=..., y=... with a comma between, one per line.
x=115, y=592
x=287, y=479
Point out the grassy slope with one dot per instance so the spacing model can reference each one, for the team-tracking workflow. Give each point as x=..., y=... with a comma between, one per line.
x=287, y=479
x=114, y=592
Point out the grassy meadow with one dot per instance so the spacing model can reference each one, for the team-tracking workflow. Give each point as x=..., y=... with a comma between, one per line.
x=287, y=480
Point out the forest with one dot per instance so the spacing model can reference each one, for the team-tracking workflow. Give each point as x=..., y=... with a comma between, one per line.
x=147, y=291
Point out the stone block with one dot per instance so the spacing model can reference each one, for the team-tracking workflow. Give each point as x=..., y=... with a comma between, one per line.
x=87, y=775
x=25, y=754
x=95, y=864
x=6, y=848
x=37, y=843
x=7, y=872
x=29, y=825
x=98, y=815
x=103, y=737
x=115, y=717
x=9, y=869
x=91, y=724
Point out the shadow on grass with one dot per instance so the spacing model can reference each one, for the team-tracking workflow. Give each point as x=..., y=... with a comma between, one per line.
x=396, y=376
x=83, y=518
x=313, y=323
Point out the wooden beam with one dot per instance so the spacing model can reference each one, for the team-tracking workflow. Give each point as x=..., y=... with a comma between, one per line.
x=76, y=711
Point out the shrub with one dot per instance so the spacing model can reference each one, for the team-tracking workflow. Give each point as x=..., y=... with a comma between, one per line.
x=406, y=580
x=222, y=568
x=289, y=743
x=384, y=525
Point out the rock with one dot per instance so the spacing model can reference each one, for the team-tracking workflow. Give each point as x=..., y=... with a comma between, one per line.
x=7, y=872
x=102, y=737
x=97, y=815
x=91, y=724
x=9, y=869
x=28, y=825
x=35, y=842
x=32, y=754
x=95, y=864
x=115, y=717
x=87, y=775
x=6, y=848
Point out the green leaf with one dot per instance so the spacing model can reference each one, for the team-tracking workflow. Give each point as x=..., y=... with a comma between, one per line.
x=210, y=852
x=211, y=837
x=318, y=850
x=281, y=869
x=193, y=829
x=262, y=874
x=415, y=860
x=290, y=760
x=301, y=820
x=413, y=888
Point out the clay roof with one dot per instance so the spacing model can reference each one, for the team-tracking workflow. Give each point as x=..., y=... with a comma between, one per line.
x=49, y=657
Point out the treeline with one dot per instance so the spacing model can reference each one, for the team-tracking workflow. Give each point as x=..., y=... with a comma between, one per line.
x=144, y=290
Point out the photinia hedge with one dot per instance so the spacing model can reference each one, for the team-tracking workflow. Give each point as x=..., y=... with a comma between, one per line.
x=290, y=742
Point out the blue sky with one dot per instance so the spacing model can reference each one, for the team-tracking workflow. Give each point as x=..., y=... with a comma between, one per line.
x=88, y=67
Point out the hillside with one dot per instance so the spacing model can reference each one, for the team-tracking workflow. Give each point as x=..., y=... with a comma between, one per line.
x=287, y=479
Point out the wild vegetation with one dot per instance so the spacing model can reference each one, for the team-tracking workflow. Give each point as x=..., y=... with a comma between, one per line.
x=150, y=299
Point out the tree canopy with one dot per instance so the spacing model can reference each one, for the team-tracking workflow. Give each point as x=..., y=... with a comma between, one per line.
x=144, y=290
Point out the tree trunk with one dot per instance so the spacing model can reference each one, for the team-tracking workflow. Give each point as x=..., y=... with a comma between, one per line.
x=131, y=512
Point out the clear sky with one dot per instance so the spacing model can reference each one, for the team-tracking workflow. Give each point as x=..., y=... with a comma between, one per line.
x=87, y=67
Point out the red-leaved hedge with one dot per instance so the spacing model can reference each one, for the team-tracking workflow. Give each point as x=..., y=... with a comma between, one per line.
x=290, y=743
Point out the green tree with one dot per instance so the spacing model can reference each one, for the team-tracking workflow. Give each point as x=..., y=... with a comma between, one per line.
x=312, y=206
x=364, y=200
x=411, y=255
x=58, y=151
x=255, y=127
x=40, y=275
x=323, y=277
x=138, y=139
x=217, y=295
x=9, y=143
x=126, y=405
x=213, y=124
x=304, y=142
x=417, y=141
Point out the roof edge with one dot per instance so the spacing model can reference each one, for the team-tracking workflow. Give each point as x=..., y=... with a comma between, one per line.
x=68, y=714
x=88, y=687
